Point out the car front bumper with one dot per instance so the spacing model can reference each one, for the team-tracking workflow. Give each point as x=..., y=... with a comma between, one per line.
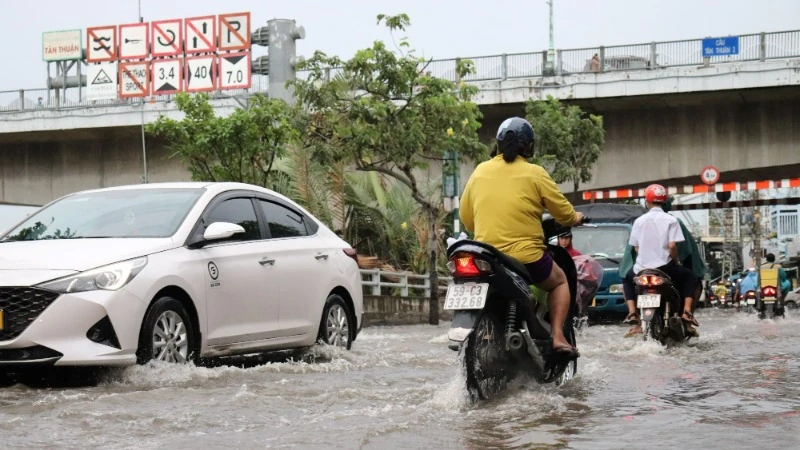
x=59, y=334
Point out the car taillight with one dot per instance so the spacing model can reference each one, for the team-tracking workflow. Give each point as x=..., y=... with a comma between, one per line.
x=648, y=280
x=467, y=265
x=769, y=291
x=351, y=252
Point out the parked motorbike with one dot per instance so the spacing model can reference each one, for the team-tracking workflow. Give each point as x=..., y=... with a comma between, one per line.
x=497, y=327
x=659, y=306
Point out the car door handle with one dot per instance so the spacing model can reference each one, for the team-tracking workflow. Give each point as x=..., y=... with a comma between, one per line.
x=265, y=261
x=319, y=257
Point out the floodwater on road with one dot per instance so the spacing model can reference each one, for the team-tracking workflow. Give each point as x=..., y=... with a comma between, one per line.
x=737, y=386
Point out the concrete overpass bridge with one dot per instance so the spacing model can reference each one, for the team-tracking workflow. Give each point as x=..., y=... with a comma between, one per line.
x=668, y=113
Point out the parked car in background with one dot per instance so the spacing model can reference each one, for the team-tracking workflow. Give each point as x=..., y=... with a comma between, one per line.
x=172, y=272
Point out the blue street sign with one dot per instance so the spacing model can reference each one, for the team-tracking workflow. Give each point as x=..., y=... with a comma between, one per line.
x=725, y=46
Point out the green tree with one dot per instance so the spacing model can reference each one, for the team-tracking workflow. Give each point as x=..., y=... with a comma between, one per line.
x=242, y=147
x=568, y=141
x=383, y=113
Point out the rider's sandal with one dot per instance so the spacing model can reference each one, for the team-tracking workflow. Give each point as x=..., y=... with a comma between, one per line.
x=633, y=319
x=567, y=350
x=689, y=317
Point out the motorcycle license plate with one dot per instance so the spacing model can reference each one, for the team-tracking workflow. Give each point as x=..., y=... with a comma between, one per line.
x=466, y=296
x=649, y=301
x=770, y=299
x=751, y=301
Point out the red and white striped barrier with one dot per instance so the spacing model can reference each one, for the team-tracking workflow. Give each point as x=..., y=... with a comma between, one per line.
x=737, y=204
x=696, y=189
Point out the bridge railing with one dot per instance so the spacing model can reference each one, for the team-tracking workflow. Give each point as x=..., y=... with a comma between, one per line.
x=644, y=56
x=403, y=284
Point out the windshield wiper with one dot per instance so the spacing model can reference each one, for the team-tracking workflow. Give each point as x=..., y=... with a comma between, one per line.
x=604, y=256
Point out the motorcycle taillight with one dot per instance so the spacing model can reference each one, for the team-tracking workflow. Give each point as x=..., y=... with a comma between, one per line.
x=648, y=280
x=769, y=291
x=467, y=265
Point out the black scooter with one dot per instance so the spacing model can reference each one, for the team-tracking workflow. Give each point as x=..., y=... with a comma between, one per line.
x=659, y=305
x=497, y=327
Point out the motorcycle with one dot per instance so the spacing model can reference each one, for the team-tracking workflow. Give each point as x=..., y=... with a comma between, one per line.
x=714, y=300
x=769, y=303
x=659, y=304
x=497, y=327
x=749, y=301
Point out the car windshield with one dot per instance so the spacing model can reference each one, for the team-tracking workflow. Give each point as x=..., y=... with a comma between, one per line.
x=603, y=241
x=126, y=213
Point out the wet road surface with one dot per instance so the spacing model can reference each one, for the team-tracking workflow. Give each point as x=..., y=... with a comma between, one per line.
x=738, y=386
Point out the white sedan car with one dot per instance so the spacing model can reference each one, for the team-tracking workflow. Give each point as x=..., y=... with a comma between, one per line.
x=172, y=272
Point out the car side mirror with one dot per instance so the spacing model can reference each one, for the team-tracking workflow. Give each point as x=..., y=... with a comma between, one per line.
x=221, y=230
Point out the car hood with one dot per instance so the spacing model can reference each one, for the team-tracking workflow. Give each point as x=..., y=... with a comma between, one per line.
x=74, y=255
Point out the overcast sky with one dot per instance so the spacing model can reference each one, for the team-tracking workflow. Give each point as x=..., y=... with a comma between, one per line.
x=440, y=28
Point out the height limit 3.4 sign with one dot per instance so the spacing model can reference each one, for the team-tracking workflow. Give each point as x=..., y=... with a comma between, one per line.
x=166, y=76
x=234, y=71
x=134, y=79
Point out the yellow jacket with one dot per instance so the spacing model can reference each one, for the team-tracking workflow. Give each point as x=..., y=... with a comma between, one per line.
x=503, y=204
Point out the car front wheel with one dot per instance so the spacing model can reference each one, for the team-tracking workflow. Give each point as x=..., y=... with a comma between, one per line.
x=167, y=333
x=336, y=327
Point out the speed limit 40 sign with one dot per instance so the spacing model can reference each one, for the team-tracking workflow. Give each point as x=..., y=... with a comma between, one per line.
x=234, y=70
x=709, y=175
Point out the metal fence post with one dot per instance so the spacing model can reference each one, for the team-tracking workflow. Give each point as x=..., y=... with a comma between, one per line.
x=544, y=60
x=559, y=63
x=404, y=289
x=503, y=66
x=427, y=285
x=327, y=74
x=762, y=46
x=653, y=62
x=375, y=277
x=22, y=99
x=457, y=61
x=602, y=59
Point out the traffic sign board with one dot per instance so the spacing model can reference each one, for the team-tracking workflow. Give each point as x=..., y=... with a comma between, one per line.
x=200, y=74
x=200, y=34
x=166, y=76
x=101, y=81
x=134, y=41
x=134, y=79
x=720, y=46
x=166, y=37
x=101, y=44
x=234, y=70
x=61, y=45
x=234, y=31
x=709, y=175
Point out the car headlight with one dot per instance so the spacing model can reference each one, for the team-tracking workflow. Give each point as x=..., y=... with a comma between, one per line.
x=615, y=289
x=109, y=278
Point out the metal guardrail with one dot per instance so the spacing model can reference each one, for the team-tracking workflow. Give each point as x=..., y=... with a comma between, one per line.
x=646, y=56
x=379, y=282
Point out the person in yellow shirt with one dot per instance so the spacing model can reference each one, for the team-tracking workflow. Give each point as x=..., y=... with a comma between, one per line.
x=503, y=203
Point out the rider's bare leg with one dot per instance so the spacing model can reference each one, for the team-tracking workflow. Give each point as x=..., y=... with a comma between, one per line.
x=637, y=326
x=558, y=297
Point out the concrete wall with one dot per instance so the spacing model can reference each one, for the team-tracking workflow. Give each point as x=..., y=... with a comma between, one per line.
x=390, y=310
x=38, y=172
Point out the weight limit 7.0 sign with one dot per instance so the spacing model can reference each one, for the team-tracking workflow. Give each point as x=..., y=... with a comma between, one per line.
x=234, y=71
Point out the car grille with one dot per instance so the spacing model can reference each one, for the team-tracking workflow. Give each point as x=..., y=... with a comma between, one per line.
x=21, y=306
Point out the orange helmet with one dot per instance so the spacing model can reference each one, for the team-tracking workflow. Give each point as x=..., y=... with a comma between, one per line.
x=655, y=193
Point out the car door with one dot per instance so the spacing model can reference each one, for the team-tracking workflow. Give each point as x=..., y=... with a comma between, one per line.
x=240, y=302
x=301, y=264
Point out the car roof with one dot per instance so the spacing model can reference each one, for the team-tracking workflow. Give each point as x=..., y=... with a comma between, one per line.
x=212, y=187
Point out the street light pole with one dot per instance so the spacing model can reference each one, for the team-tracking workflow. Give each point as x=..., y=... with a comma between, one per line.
x=551, y=50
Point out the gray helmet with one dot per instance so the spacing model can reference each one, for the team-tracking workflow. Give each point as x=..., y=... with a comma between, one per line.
x=515, y=137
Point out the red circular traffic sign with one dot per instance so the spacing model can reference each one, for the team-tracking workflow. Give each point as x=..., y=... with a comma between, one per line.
x=709, y=175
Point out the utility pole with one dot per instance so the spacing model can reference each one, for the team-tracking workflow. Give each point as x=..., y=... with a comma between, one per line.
x=549, y=66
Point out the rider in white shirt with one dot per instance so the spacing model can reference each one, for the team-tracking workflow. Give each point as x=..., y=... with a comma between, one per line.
x=655, y=236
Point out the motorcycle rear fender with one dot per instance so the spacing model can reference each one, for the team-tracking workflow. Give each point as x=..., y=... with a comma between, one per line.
x=462, y=324
x=648, y=314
